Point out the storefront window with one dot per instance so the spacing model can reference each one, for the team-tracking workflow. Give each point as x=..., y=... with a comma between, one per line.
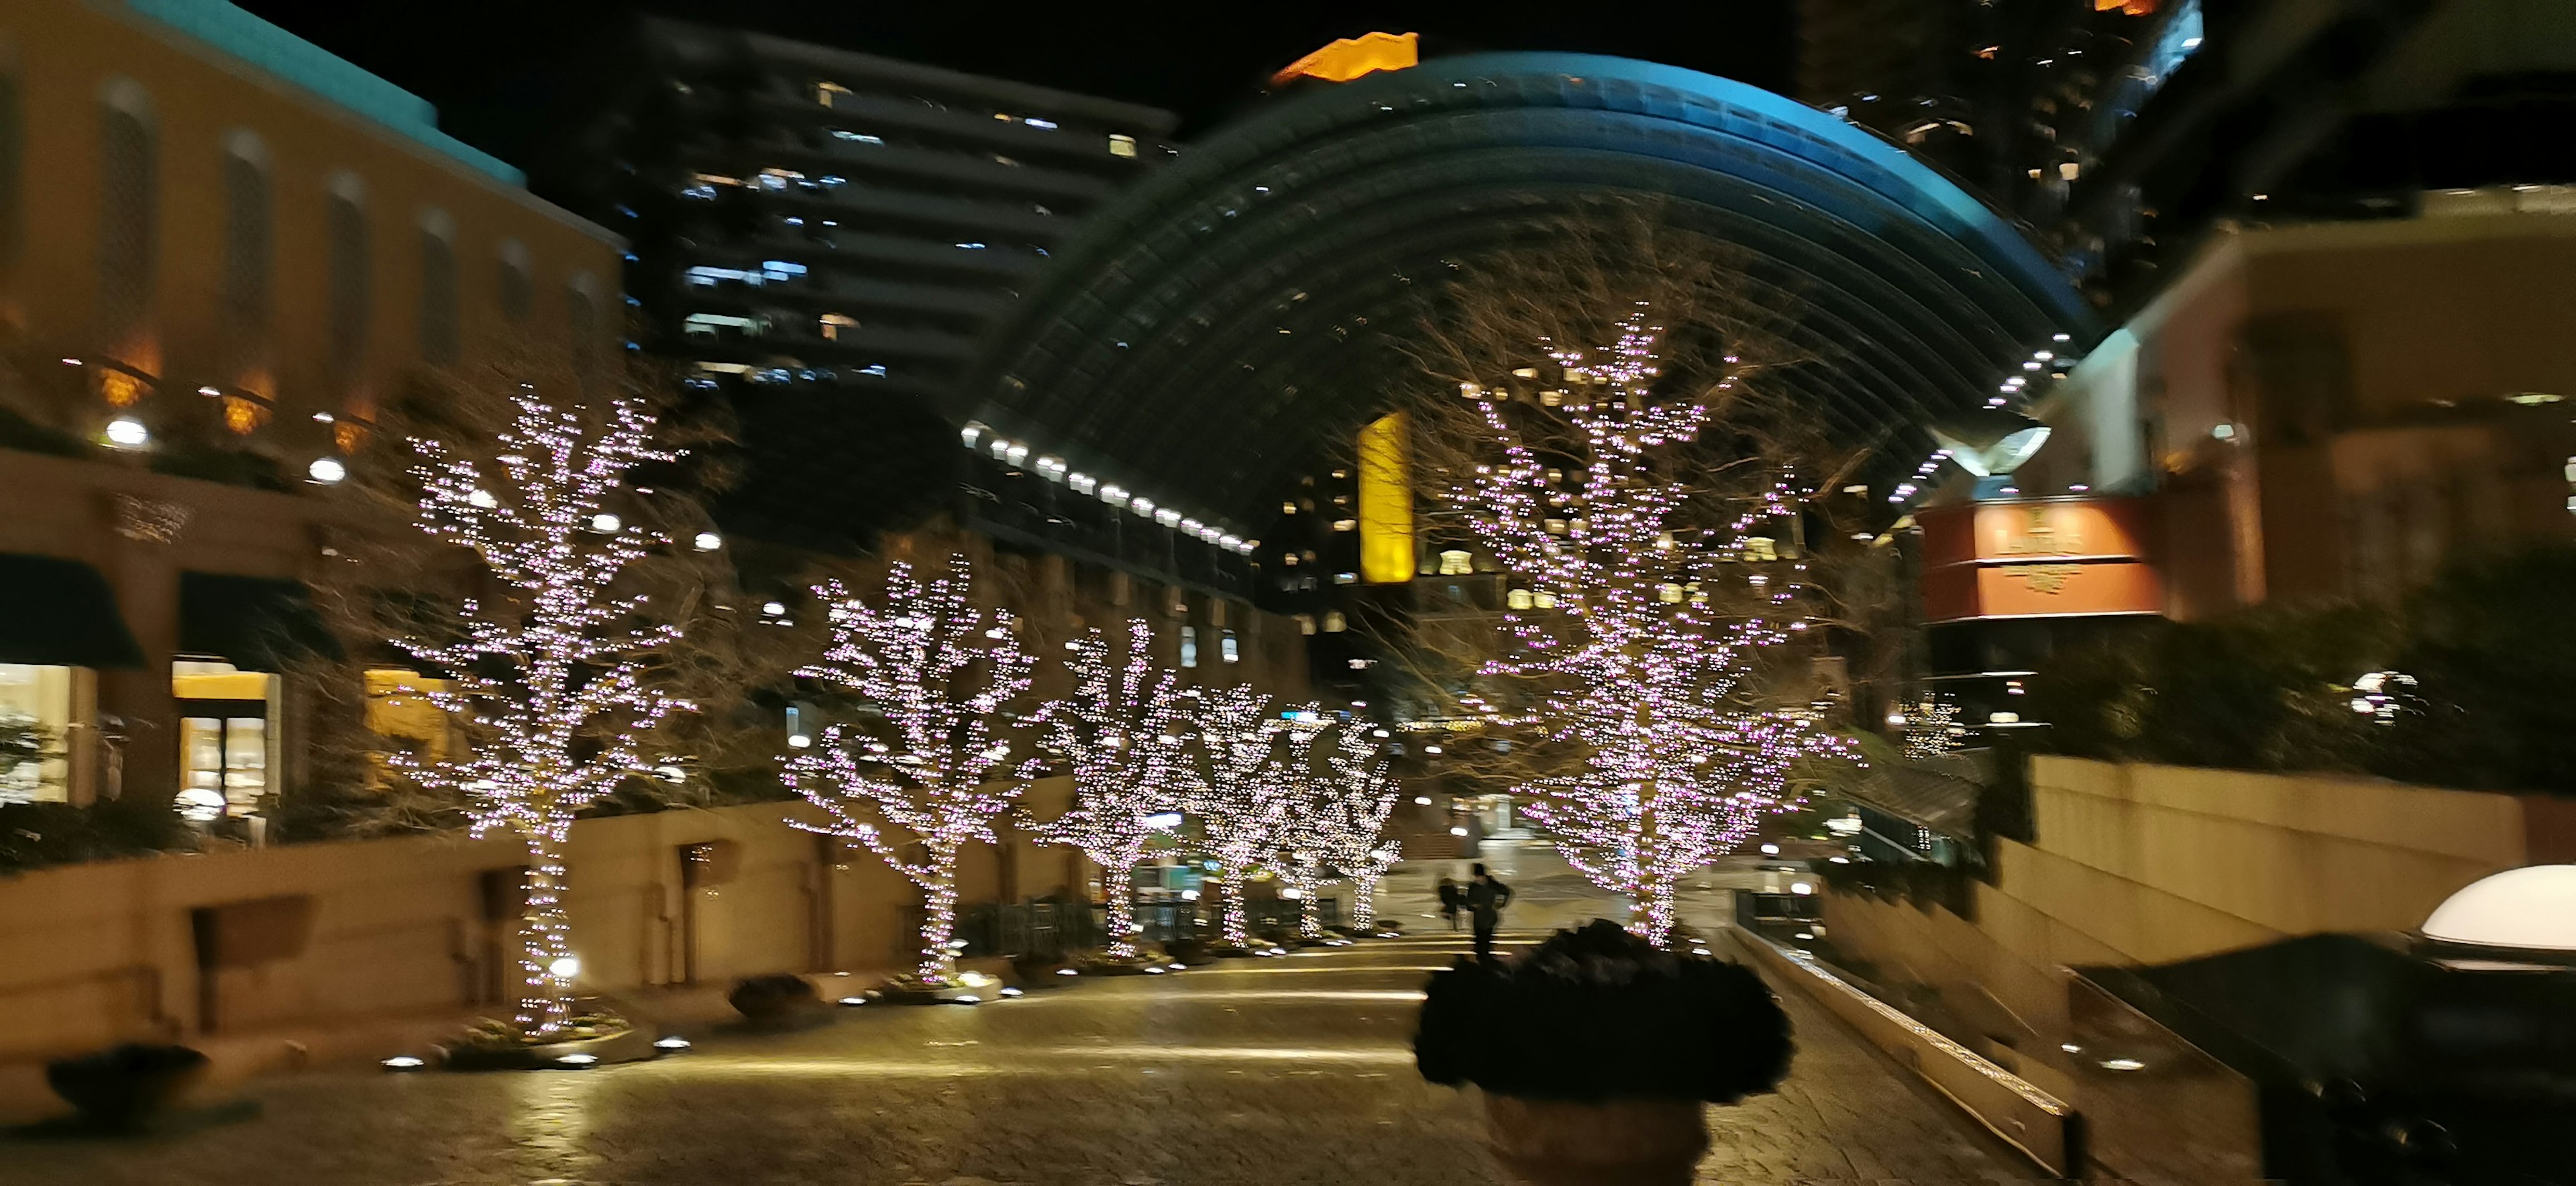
x=227, y=738
x=35, y=718
x=400, y=711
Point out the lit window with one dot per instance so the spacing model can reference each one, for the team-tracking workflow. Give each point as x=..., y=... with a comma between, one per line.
x=1543, y=600
x=1455, y=563
x=1519, y=599
x=1227, y=648
x=225, y=740
x=1189, y=646
x=824, y=92
x=1305, y=623
x=399, y=710
x=1668, y=593
x=36, y=713
x=1346, y=524
x=834, y=323
x=1121, y=145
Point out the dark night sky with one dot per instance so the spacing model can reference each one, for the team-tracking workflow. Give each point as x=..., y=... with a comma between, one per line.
x=488, y=64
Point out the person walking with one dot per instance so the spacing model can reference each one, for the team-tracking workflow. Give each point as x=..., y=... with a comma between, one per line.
x=1449, y=898
x=1486, y=896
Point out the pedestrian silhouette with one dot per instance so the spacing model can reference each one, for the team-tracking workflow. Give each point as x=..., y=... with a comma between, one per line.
x=1449, y=899
x=1486, y=898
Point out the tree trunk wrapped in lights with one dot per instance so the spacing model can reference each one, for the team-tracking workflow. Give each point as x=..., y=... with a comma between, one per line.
x=1359, y=796
x=933, y=677
x=552, y=672
x=1655, y=518
x=1244, y=798
x=1123, y=730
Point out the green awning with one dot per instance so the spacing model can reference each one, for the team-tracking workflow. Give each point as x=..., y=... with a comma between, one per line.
x=254, y=623
x=60, y=613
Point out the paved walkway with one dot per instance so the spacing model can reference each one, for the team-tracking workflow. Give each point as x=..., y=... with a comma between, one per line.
x=1295, y=1070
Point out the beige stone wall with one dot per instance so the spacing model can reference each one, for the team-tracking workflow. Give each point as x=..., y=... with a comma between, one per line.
x=91, y=954
x=2151, y=864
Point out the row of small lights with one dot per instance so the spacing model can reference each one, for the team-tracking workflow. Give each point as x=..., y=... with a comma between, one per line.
x=1054, y=469
x=2013, y=387
x=128, y=434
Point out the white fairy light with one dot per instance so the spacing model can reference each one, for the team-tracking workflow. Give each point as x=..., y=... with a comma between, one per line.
x=1119, y=731
x=1649, y=665
x=1241, y=797
x=941, y=672
x=548, y=673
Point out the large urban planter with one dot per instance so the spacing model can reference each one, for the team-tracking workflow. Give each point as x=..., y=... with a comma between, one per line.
x=1597, y=1052
x=124, y=1086
x=1639, y=1142
x=594, y=1038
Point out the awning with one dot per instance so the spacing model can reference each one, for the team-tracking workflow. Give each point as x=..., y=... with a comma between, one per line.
x=254, y=623
x=60, y=613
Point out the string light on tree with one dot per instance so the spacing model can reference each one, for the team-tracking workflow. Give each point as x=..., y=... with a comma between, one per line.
x=930, y=754
x=547, y=672
x=1658, y=667
x=1242, y=797
x=1123, y=732
x=1351, y=824
x=1933, y=728
x=1301, y=850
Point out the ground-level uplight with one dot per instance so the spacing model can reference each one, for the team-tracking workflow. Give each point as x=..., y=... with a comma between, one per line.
x=673, y=1044
x=1012, y=992
x=1067, y=972
x=854, y=1000
x=578, y=1060
x=405, y=1062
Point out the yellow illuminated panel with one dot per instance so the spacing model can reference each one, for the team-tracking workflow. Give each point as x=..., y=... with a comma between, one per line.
x=1352, y=57
x=1386, y=503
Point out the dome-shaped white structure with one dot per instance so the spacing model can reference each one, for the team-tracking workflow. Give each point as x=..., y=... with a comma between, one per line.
x=2532, y=908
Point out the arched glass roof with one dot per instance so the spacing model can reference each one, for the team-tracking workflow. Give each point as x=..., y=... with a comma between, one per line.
x=1222, y=324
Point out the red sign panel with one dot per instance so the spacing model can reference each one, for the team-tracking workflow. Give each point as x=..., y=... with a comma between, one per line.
x=2039, y=559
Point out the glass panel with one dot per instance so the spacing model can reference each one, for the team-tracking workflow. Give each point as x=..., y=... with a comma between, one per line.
x=35, y=714
x=201, y=768
x=245, y=763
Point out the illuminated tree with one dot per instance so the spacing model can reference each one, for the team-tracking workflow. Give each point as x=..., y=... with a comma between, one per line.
x=552, y=671
x=1243, y=797
x=1124, y=730
x=934, y=677
x=1360, y=795
x=1661, y=648
x=1301, y=851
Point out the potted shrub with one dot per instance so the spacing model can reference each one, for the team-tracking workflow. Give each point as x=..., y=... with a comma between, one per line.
x=123, y=1087
x=1596, y=1052
x=594, y=1034
x=780, y=998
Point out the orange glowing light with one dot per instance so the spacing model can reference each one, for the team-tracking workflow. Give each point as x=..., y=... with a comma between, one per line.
x=242, y=414
x=120, y=389
x=1352, y=57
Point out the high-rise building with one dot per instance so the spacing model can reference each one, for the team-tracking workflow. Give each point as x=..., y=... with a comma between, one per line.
x=820, y=238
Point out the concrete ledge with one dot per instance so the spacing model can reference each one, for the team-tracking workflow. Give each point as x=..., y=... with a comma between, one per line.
x=2031, y=1120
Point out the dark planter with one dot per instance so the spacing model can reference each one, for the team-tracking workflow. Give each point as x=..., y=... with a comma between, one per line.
x=628, y=1045
x=1637, y=1142
x=775, y=999
x=123, y=1086
x=1191, y=952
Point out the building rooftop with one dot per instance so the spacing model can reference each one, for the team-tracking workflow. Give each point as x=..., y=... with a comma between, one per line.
x=291, y=59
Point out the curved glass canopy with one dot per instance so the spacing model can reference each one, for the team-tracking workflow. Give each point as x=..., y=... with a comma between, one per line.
x=1217, y=328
